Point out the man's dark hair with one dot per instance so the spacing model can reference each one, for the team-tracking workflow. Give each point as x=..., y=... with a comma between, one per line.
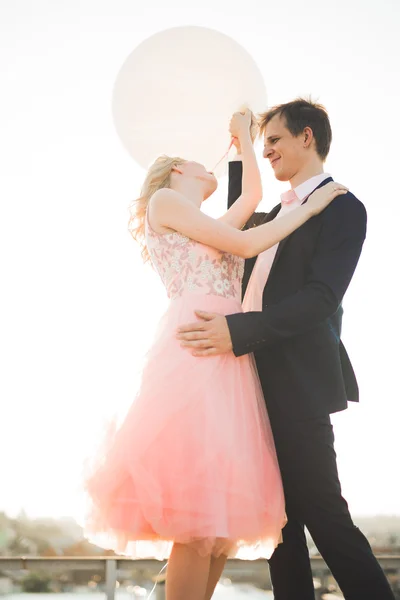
x=300, y=114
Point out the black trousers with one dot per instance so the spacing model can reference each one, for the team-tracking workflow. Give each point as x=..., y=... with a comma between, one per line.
x=313, y=495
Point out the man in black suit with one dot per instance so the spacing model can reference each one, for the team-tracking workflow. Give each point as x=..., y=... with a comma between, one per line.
x=293, y=301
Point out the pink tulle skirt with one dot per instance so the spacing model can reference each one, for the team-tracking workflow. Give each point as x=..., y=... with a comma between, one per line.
x=194, y=460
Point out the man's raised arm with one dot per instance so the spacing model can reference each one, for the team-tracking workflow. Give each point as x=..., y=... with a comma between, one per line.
x=235, y=181
x=235, y=190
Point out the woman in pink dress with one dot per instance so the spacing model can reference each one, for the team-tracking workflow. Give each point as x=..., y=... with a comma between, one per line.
x=191, y=474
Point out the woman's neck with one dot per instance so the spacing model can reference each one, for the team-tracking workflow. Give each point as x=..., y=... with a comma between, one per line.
x=192, y=189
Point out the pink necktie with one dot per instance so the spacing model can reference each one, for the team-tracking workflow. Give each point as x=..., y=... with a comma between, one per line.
x=288, y=197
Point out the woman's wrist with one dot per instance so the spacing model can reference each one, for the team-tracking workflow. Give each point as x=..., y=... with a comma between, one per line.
x=244, y=136
x=308, y=209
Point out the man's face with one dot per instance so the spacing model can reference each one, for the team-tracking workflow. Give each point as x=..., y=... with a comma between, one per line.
x=285, y=152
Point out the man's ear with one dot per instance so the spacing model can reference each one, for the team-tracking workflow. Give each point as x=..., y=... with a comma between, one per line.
x=308, y=137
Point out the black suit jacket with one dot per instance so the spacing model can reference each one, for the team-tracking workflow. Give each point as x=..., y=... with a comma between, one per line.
x=303, y=366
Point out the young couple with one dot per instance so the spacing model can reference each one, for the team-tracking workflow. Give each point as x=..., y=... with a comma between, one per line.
x=228, y=448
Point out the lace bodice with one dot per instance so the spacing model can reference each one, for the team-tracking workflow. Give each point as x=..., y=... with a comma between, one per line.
x=187, y=266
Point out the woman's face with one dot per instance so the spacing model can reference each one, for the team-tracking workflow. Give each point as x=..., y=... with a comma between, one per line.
x=198, y=171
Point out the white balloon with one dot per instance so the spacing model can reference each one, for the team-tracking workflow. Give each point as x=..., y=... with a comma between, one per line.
x=177, y=90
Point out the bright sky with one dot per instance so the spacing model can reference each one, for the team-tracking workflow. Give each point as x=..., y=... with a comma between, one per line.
x=77, y=305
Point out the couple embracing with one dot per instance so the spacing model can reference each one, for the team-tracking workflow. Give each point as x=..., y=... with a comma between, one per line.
x=228, y=448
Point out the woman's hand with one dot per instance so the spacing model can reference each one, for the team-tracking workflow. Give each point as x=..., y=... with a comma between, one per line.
x=241, y=123
x=323, y=196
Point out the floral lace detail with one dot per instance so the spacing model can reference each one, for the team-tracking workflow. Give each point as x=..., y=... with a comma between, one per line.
x=185, y=265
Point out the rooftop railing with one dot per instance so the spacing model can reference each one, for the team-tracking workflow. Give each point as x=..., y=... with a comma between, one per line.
x=115, y=567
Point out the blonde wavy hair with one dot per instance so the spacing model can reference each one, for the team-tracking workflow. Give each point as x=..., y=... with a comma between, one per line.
x=158, y=177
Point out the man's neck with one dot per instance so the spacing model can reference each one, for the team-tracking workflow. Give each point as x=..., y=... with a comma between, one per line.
x=306, y=173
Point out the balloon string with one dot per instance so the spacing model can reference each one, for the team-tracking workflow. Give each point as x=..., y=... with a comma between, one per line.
x=155, y=585
x=225, y=155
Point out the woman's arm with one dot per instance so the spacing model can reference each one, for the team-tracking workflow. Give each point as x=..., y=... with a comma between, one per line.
x=241, y=211
x=235, y=190
x=172, y=210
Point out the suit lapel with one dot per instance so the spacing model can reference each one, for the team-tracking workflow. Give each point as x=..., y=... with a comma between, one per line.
x=281, y=246
x=271, y=215
x=283, y=243
x=249, y=266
